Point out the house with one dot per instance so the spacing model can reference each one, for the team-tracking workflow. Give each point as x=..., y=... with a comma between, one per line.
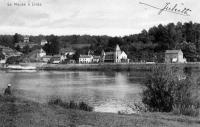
x=174, y=56
x=56, y=59
x=2, y=57
x=71, y=61
x=26, y=42
x=2, y=61
x=85, y=59
x=46, y=58
x=8, y=52
x=43, y=42
x=36, y=55
x=116, y=56
x=26, y=39
x=41, y=53
x=96, y=59
x=67, y=51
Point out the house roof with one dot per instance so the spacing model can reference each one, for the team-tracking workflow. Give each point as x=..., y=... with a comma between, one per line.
x=55, y=58
x=96, y=57
x=173, y=51
x=64, y=50
x=85, y=56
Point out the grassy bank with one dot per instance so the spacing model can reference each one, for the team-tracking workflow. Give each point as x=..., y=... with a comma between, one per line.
x=16, y=112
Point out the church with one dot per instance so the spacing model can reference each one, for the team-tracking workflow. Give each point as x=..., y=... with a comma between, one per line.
x=117, y=56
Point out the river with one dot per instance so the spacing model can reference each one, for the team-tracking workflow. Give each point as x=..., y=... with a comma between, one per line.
x=105, y=91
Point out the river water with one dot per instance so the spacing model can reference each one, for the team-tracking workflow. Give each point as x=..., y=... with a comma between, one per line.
x=105, y=91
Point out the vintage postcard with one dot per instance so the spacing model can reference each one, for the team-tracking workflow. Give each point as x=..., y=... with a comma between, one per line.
x=99, y=63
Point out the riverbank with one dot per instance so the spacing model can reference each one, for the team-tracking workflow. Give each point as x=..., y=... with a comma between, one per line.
x=105, y=66
x=17, y=112
x=114, y=67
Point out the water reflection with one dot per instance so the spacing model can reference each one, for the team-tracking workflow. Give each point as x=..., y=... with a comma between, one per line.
x=106, y=91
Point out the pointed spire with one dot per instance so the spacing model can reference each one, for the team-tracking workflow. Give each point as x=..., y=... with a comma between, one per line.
x=117, y=48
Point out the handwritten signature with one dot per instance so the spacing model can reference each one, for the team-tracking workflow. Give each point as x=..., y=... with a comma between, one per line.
x=173, y=8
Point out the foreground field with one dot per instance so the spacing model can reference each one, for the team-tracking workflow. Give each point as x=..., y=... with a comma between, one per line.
x=15, y=112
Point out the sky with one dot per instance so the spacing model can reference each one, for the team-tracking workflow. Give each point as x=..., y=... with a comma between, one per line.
x=91, y=17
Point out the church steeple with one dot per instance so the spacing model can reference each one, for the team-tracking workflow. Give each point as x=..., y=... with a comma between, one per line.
x=117, y=54
x=117, y=48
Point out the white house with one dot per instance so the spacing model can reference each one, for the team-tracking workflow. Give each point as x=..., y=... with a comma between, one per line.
x=85, y=59
x=41, y=53
x=43, y=42
x=174, y=56
x=3, y=61
x=96, y=59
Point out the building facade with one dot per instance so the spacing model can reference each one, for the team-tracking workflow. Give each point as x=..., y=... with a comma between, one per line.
x=117, y=56
x=43, y=42
x=174, y=56
x=85, y=59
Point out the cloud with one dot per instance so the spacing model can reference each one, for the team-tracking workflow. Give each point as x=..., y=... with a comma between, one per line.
x=111, y=17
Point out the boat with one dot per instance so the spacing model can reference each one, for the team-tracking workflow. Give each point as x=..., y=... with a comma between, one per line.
x=20, y=67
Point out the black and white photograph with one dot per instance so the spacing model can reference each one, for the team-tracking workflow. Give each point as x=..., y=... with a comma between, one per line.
x=99, y=63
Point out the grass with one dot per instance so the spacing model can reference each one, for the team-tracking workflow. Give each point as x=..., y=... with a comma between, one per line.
x=16, y=112
x=71, y=105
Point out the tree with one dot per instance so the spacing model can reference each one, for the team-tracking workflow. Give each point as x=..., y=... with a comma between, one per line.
x=76, y=56
x=189, y=50
x=13, y=60
x=18, y=48
x=166, y=91
x=16, y=38
x=114, y=41
x=52, y=47
x=2, y=56
x=26, y=49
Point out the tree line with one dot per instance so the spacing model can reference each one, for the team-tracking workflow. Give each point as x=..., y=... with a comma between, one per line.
x=148, y=45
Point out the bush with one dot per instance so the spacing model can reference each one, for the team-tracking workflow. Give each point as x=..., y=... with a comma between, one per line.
x=71, y=105
x=167, y=90
x=7, y=98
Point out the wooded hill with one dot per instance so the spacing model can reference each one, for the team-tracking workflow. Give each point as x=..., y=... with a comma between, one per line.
x=148, y=45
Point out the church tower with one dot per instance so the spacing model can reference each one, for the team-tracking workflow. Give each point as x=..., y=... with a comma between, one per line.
x=117, y=54
x=103, y=54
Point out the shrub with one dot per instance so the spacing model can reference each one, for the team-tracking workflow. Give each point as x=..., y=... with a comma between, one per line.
x=7, y=98
x=71, y=105
x=167, y=90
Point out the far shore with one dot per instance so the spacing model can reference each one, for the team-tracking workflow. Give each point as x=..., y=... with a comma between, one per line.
x=108, y=66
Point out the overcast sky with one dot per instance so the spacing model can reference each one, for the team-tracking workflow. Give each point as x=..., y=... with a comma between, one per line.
x=94, y=17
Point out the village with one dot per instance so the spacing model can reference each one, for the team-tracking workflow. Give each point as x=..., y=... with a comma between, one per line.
x=66, y=55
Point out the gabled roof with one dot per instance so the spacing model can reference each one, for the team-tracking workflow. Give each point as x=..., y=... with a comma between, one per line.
x=55, y=58
x=173, y=51
x=64, y=50
x=96, y=57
